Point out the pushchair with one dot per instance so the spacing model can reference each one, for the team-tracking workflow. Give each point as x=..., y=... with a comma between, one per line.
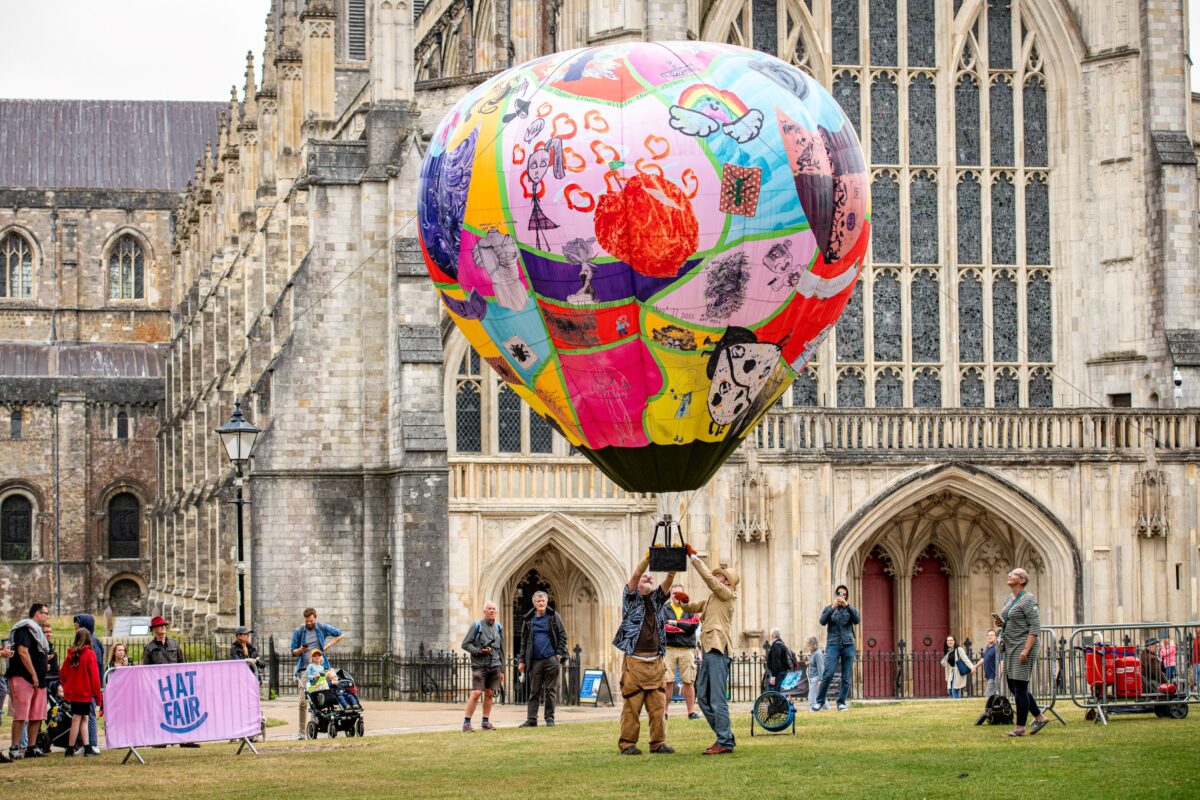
x=57, y=729
x=335, y=709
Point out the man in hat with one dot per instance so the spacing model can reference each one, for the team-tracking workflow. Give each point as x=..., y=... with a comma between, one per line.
x=1152, y=669
x=241, y=649
x=163, y=650
x=716, y=628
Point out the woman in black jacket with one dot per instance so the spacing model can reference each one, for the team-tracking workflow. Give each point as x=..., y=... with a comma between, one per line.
x=839, y=617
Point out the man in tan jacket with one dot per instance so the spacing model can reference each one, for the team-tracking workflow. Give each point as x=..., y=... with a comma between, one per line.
x=716, y=626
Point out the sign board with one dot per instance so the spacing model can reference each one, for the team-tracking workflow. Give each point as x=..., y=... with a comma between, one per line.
x=125, y=627
x=181, y=703
x=594, y=688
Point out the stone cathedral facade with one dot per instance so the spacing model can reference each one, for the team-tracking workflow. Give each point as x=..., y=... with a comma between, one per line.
x=998, y=394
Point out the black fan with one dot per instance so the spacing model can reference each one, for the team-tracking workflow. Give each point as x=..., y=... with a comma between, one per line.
x=773, y=712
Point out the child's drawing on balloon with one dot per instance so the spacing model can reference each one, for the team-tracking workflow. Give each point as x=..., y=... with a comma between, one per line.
x=726, y=287
x=496, y=254
x=541, y=161
x=738, y=368
x=703, y=110
x=580, y=252
x=445, y=178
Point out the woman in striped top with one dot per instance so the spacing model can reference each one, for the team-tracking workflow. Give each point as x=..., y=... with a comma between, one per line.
x=1021, y=626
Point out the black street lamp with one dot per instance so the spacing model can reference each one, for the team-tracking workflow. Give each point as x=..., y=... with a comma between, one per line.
x=238, y=437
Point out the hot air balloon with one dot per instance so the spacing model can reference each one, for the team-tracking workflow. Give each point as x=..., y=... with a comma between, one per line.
x=647, y=241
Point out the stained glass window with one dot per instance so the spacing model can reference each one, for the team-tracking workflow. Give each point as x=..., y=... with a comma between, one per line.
x=1005, y=337
x=844, y=14
x=1036, y=146
x=849, y=329
x=1037, y=220
x=1004, y=220
x=970, y=389
x=966, y=120
x=889, y=389
x=927, y=389
x=883, y=33
x=885, y=120
x=851, y=390
x=1039, y=319
x=1041, y=389
x=885, y=218
x=1006, y=390
x=999, y=36
x=888, y=332
x=763, y=22
x=922, y=38
x=845, y=91
x=970, y=318
x=922, y=121
x=468, y=418
x=16, y=267
x=970, y=220
x=508, y=407
x=126, y=269
x=804, y=389
x=926, y=319
x=541, y=435
x=923, y=215
x=1001, y=110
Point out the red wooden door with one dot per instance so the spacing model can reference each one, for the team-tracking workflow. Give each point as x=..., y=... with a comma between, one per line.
x=930, y=626
x=878, y=630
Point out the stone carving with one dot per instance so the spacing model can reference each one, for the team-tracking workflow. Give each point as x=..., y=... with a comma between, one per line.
x=1151, y=499
x=752, y=518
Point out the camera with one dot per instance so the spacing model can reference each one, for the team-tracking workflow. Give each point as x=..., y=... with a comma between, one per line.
x=1177, y=377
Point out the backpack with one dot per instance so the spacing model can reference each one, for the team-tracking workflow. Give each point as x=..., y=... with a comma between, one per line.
x=793, y=662
x=499, y=632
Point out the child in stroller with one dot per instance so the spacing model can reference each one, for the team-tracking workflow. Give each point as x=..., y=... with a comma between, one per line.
x=58, y=720
x=332, y=701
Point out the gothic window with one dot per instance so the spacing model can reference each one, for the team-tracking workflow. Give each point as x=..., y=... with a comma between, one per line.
x=922, y=41
x=970, y=318
x=16, y=266
x=356, y=30
x=1041, y=390
x=889, y=389
x=885, y=218
x=970, y=220
x=1007, y=390
x=763, y=24
x=888, y=333
x=122, y=425
x=1001, y=109
x=966, y=119
x=1039, y=321
x=508, y=407
x=922, y=120
x=1004, y=220
x=804, y=389
x=468, y=417
x=1037, y=220
x=14, y=425
x=927, y=389
x=970, y=389
x=882, y=21
x=845, y=91
x=923, y=218
x=999, y=38
x=926, y=320
x=1036, y=146
x=541, y=435
x=1004, y=317
x=851, y=390
x=124, y=526
x=885, y=120
x=850, y=328
x=16, y=529
x=844, y=14
x=126, y=270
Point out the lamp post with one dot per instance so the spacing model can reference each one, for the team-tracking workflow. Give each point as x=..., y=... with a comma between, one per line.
x=238, y=437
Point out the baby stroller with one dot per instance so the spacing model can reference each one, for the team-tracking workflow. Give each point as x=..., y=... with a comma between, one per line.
x=335, y=709
x=57, y=729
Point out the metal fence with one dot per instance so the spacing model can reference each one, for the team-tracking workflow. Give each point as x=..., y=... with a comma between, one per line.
x=195, y=648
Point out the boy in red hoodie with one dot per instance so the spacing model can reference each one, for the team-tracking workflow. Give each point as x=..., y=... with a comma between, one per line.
x=80, y=678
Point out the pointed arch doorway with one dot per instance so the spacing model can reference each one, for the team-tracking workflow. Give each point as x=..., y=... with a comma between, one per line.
x=571, y=594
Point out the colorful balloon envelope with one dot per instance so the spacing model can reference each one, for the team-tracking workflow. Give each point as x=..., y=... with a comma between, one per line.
x=647, y=242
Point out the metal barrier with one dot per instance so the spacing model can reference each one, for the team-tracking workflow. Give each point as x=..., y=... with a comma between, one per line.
x=1116, y=669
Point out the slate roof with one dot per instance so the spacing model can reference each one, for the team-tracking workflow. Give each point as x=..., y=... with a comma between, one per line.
x=103, y=144
x=29, y=360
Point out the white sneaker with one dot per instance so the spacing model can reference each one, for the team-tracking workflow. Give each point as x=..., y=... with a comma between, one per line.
x=815, y=707
x=301, y=736
x=841, y=706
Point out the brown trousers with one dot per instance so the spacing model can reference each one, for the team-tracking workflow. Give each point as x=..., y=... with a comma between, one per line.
x=642, y=684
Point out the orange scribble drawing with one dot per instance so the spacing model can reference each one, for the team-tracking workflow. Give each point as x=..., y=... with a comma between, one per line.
x=518, y=154
x=593, y=121
x=544, y=110
x=658, y=147
x=609, y=154
x=647, y=167
x=566, y=120
x=690, y=182
x=585, y=201
x=572, y=161
x=541, y=189
x=613, y=181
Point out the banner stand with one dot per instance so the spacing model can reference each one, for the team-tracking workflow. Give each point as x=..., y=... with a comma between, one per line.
x=134, y=754
x=243, y=743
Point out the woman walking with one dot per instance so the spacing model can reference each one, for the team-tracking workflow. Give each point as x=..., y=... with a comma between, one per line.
x=80, y=676
x=1019, y=636
x=956, y=679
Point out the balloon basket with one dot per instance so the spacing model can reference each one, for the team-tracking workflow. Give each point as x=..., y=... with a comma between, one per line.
x=666, y=556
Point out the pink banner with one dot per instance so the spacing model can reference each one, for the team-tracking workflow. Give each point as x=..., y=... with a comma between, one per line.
x=178, y=703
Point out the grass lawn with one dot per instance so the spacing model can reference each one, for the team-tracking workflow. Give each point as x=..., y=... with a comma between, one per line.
x=886, y=751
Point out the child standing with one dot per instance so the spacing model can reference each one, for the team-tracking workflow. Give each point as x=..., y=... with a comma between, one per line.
x=80, y=676
x=814, y=671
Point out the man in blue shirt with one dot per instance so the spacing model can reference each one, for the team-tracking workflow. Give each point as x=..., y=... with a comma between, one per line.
x=988, y=662
x=312, y=635
x=543, y=650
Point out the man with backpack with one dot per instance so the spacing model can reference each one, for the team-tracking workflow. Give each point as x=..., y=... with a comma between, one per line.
x=779, y=661
x=485, y=642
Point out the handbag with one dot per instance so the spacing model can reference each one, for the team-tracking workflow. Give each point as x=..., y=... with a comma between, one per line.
x=963, y=669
